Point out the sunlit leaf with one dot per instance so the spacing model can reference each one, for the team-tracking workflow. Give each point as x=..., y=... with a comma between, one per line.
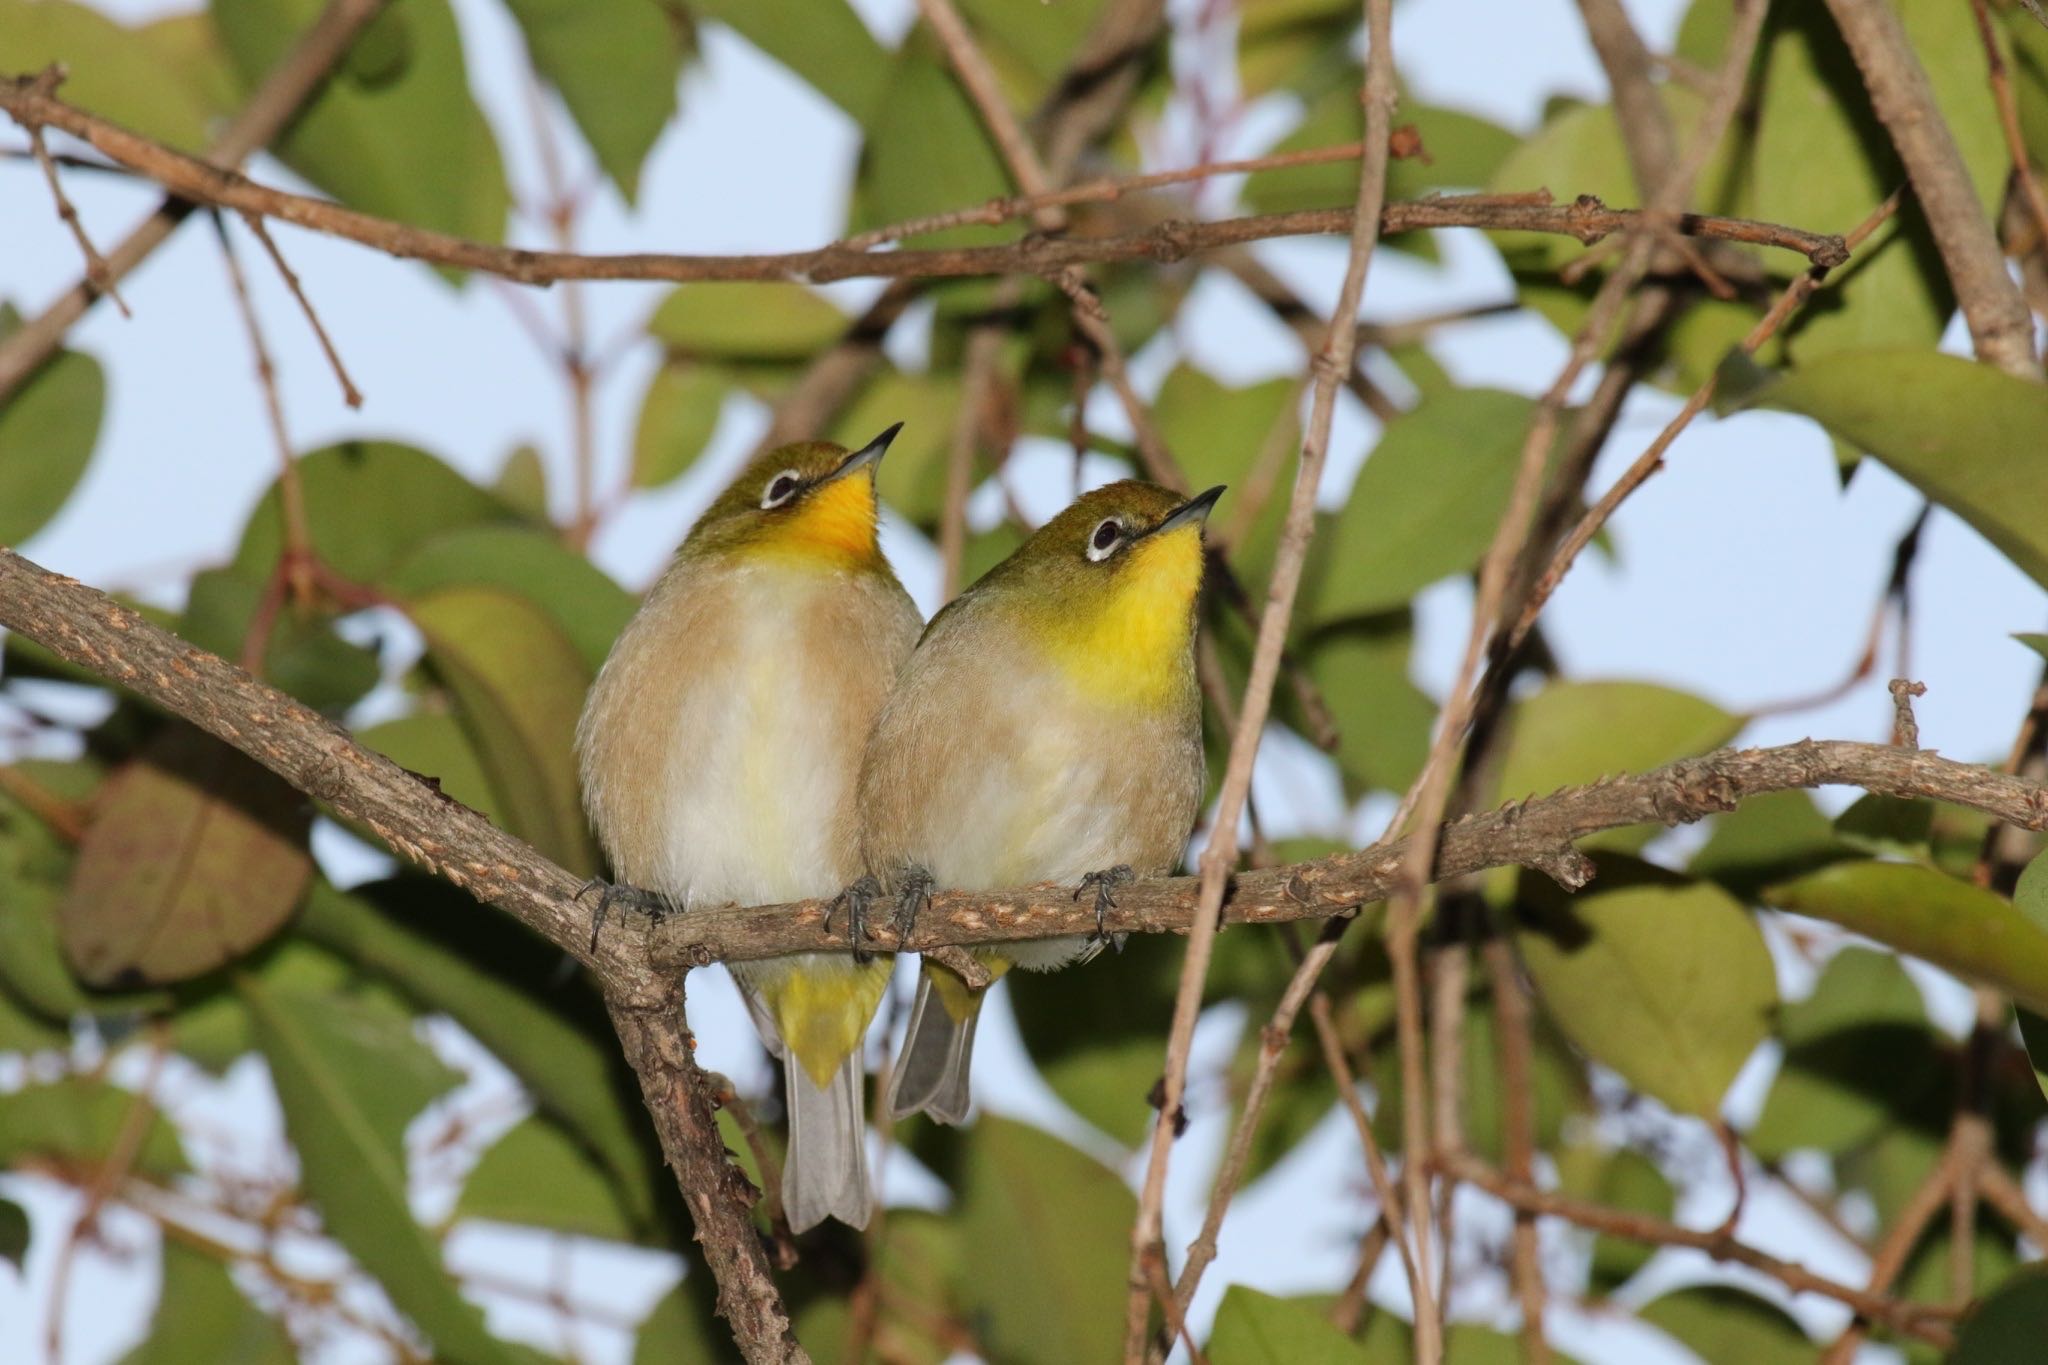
x=111, y=69
x=822, y=41
x=536, y=1176
x=616, y=63
x=926, y=150
x=397, y=134
x=79, y=1122
x=912, y=479
x=1720, y=1322
x=48, y=427
x=1929, y=915
x=200, y=1315
x=522, y=483
x=518, y=685
x=1253, y=1328
x=1461, y=151
x=743, y=320
x=1666, y=981
x=1047, y=1232
x=1383, y=720
x=195, y=854
x=677, y=417
x=578, y=597
x=433, y=745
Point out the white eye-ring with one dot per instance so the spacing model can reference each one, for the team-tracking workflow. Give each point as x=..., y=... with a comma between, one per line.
x=1104, y=539
x=781, y=488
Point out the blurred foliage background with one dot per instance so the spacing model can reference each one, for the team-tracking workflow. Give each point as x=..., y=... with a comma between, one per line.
x=163, y=919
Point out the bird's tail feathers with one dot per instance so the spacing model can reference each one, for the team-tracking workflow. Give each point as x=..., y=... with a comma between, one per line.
x=931, y=1072
x=826, y=1173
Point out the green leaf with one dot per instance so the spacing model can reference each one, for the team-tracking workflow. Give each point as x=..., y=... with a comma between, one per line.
x=194, y=855
x=1887, y=825
x=1765, y=839
x=305, y=656
x=581, y=600
x=348, y=1084
x=912, y=479
x=1572, y=733
x=1558, y=1085
x=1929, y=915
x=1426, y=504
x=396, y=133
x=1042, y=40
x=22, y=1031
x=1254, y=1328
x=200, y=1315
x=1462, y=151
x=79, y=1121
x=505, y=987
x=1047, y=1233
x=745, y=320
x=34, y=867
x=14, y=1232
x=537, y=1176
x=1621, y=1179
x=114, y=71
x=680, y=1332
x=677, y=418
x=1963, y=434
x=1096, y=1033
x=48, y=428
x=518, y=686
x=1859, y=1054
x=1723, y=1323
x=926, y=151
x=368, y=504
x=2006, y=1328
x=522, y=484
x=616, y=64
x=1383, y=719
x=1664, y=980
x=2030, y=898
x=433, y=745
x=822, y=41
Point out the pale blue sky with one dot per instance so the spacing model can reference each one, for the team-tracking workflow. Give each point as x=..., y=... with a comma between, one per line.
x=1742, y=572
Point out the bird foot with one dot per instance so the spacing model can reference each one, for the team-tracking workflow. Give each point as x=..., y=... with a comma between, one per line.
x=855, y=900
x=1104, y=884
x=638, y=899
x=913, y=894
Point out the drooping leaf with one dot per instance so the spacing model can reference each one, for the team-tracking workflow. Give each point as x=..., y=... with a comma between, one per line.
x=14, y=1231
x=79, y=1122
x=1765, y=839
x=1930, y=915
x=1664, y=980
x=200, y=1315
x=518, y=685
x=1096, y=1033
x=1962, y=433
x=535, y=1176
x=822, y=41
x=1858, y=1053
x=505, y=987
x=368, y=504
x=195, y=854
x=304, y=656
x=727, y=320
x=2030, y=898
x=677, y=418
x=396, y=132
x=1254, y=1328
x=1426, y=504
x=1047, y=1232
x=578, y=597
x=48, y=426
x=926, y=150
x=113, y=70
x=2007, y=1327
x=616, y=63
x=1720, y=1322
x=433, y=745
x=1887, y=825
x=347, y=1088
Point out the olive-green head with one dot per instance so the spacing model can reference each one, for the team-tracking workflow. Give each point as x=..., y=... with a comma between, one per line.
x=1110, y=585
x=812, y=501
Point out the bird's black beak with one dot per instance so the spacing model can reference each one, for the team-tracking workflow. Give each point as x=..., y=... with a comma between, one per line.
x=866, y=457
x=1195, y=509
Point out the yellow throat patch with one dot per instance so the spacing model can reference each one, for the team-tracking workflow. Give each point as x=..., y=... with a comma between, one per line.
x=1130, y=643
x=835, y=522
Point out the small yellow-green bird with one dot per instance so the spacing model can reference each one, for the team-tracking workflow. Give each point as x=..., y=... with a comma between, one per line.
x=1048, y=728
x=720, y=748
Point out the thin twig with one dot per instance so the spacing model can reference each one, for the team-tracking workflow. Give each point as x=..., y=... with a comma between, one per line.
x=1512, y=1026
x=349, y=393
x=96, y=269
x=1219, y=859
x=1890, y=1257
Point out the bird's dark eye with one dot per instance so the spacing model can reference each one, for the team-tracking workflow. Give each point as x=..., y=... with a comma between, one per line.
x=781, y=488
x=1105, y=538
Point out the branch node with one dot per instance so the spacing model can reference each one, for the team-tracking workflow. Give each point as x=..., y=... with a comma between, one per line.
x=1905, y=729
x=1566, y=866
x=962, y=964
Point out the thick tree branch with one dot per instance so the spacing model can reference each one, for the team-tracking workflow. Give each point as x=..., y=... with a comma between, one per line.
x=1964, y=231
x=290, y=84
x=1586, y=219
